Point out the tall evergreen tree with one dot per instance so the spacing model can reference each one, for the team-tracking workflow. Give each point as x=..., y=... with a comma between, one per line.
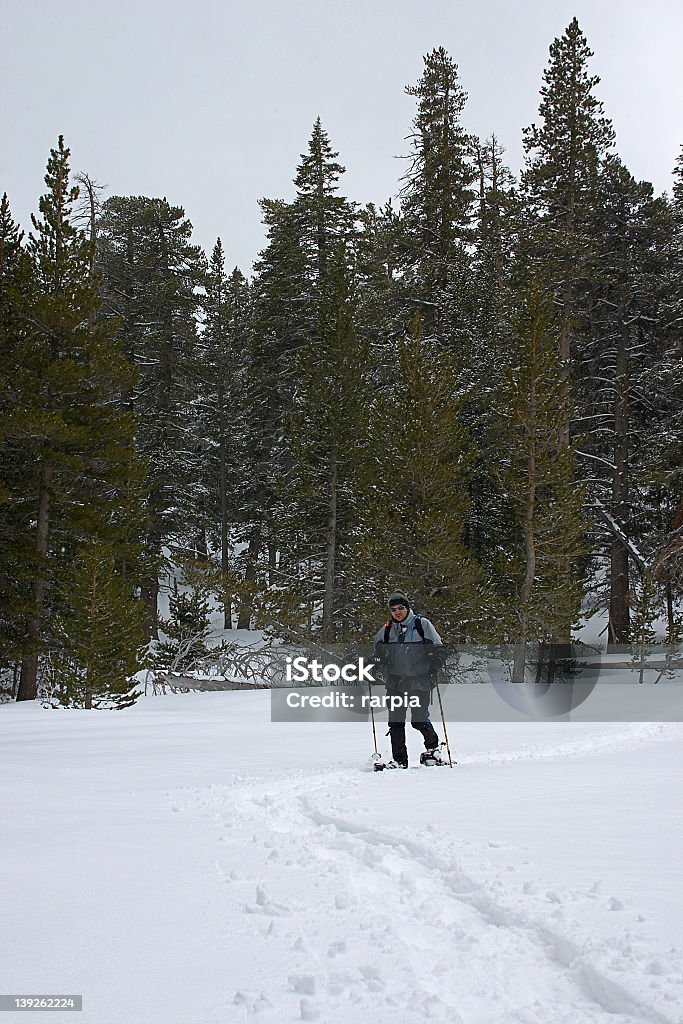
x=75, y=434
x=616, y=393
x=659, y=455
x=378, y=256
x=324, y=218
x=497, y=225
x=563, y=157
x=438, y=205
x=16, y=477
x=152, y=276
x=671, y=367
x=294, y=291
x=542, y=533
x=99, y=634
x=415, y=495
x=320, y=500
x=276, y=337
x=225, y=412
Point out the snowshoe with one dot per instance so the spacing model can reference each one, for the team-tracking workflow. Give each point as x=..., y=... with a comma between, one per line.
x=434, y=756
x=379, y=765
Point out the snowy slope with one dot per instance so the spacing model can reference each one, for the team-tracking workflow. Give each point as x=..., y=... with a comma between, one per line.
x=189, y=862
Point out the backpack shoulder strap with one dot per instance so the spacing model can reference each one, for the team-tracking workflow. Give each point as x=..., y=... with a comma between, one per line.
x=419, y=627
x=387, y=631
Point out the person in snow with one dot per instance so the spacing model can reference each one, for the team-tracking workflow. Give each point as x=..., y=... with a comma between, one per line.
x=409, y=670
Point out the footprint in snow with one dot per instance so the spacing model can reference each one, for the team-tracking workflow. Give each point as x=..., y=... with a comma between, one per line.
x=253, y=1004
x=302, y=983
x=265, y=905
x=554, y=897
x=372, y=977
x=336, y=948
x=308, y=1010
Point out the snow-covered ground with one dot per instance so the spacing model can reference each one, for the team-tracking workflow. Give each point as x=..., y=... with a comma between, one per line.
x=189, y=862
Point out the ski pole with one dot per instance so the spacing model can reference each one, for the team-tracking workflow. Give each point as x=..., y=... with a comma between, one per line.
x=372, y=717
x=443, y=720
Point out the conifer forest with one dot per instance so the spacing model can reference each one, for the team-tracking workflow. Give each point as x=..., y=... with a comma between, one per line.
x=473, y=393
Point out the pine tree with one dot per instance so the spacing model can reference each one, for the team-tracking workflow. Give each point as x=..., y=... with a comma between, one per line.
x=99, y=635
x=294, y=291
x=659, y=383
x=76, y=436
x=668, y=437
x=563, y=157
x=647, y=606
x=416, y=464
x=10, y=253
x=186, y=628
x=378, y=249
x=542, y=532
x=152, y=276
x=324, y=219
x=225, y=412
x=321, y=505
x=16, y=556
x=438, y=204
x=294, y=273
x=277, y=334
x=616, y=393
x=497, y=226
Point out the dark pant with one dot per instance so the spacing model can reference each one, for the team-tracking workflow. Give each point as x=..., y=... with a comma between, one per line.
x=419, y=719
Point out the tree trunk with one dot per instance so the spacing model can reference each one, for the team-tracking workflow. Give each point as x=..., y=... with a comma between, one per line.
x=150, y=589
x=246, y=606
x=497, y=234
x=670, y=620
x=619, y=616
x=527, y=586
x=272, y=562
x=201, y=550
x=150, y=595
x=565, y=357
x=28, y=681
x=89, y=669
x=330, y=551
x=223, y=497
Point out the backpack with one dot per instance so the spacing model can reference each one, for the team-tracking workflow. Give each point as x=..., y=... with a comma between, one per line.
x=417, y=623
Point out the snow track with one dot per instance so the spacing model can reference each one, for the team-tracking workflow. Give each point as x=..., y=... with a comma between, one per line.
x=158, y=863
x=616, y=738
x=349, y=922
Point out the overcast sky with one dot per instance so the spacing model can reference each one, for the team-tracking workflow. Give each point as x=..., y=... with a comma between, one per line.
x=211, y=102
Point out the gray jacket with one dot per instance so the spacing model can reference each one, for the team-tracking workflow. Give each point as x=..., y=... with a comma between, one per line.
x=407, y=656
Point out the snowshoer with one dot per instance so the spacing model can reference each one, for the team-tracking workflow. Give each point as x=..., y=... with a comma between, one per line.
x=409, y=670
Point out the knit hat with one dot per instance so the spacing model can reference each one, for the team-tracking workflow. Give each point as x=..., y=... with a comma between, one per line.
x=398, y=597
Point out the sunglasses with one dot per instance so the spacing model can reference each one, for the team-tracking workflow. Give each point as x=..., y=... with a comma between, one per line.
x=398, y=607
